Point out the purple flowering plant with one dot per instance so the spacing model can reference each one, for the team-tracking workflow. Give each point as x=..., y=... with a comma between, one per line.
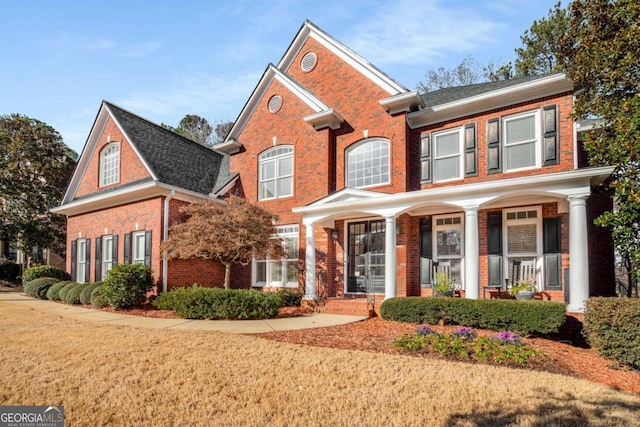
x=424, y=330
x=465, y=332
x=507, y=337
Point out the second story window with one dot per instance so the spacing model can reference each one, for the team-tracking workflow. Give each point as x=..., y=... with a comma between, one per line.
x=447, y=155
x=368, y=164
x=276, y=173
x=522, y=141
x=110, y=164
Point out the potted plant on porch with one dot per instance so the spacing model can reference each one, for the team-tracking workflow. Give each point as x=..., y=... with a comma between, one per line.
x=524, y=289
x=442, y=287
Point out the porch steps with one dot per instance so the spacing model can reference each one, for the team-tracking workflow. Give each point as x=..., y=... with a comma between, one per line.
x=354, y=306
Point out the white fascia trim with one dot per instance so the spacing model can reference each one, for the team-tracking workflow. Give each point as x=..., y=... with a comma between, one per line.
x=328, y=118
x=228, y=186
x=230, y=146
x=344, y=53
x=563, y=183
x=132, y=144
x=528, y=91
x=347, y=192
x=402, y=103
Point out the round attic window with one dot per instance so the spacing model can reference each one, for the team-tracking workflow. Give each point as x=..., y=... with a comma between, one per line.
x=309, y=61
x=275, y=103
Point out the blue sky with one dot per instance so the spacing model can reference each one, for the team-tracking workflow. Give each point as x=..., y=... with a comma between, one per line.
x=164, y=59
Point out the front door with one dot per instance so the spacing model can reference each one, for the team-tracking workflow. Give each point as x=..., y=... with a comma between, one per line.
x=366, y=241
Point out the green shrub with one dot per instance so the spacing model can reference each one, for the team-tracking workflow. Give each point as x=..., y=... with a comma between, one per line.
x=62, y=293
x=85, y=295
x=524, y=317
x=290, y=297
x=38, y=288
x=97, y=300
x=73, y=295
x=215, y=303
x=53, y=293
x=126, y=285
x=612, y=326
x=9, y=270
x=38, y=271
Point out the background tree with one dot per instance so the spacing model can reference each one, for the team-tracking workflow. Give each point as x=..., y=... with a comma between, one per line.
x=601, y=53
x=35, y=169
x=466, y=73
x=221, y=131
x=199, y=129
x=232, y=233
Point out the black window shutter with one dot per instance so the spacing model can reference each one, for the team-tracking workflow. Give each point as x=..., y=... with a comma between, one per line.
x=494, y=150
x=552, y=257
x=470, y=150
x=87, y=260
x=425, y=158
x=114, y=250
x=494, y=232
x=74, y=260
x=127, y=249
x=147, y=248
x=550, y=141
x=97, y=273
x=426, y=250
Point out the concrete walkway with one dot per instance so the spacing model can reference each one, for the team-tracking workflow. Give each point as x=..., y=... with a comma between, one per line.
x=316, y=320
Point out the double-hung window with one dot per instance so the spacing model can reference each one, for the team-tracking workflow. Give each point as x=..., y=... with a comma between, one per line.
x=447, y=155
x=107, y=255
x=83, y=261
x=368, y=163
x=282, y=272
x=110, y=164
x=138, y=247
x=522, y=141
x=276, y=173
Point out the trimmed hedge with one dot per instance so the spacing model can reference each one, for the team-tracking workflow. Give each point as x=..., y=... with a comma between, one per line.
x=524, y=317
x=216, y=303
x=73, y=295
x=290, y=297
x=126, y=285
x=53, y=293
x=65, y=290
x=38, y=271
x=9, y=270
x=38, y=288
x=611, y=326
x=97, y=300
x=85, y=295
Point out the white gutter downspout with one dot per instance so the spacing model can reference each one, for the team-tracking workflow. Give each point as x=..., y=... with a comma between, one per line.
x=165, y=236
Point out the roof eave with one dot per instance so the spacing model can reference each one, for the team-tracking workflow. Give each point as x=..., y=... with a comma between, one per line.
x=402, y=103
x=323, y=119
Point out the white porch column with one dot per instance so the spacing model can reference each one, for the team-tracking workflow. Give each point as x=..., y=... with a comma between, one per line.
x=390, y=257
x=471, y=252
x=578, y=254
x=310, y=264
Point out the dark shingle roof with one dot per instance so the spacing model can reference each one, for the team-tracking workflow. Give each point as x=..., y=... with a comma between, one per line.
x=172, y=158
x=451, y=94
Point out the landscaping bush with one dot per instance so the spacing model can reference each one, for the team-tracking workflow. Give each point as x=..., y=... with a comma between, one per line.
x=215, y=303
x=524, y=317
x=9, y=270
x=53, y=293
x=65, y=290
x=38, y=288
x=611, y=326
x=85, y=294
x=290, y=297
x=73, y=295
x=126, y=285
x=38, y=271
x=97, y=299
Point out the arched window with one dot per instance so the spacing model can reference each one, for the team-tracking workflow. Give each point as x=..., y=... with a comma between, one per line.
x=110, y=164
x=368, y=163
x=276, y=173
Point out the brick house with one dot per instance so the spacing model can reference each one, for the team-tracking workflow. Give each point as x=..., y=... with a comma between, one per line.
x=375, y=186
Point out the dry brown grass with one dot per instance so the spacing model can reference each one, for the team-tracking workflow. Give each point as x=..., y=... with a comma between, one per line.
x=110, y=375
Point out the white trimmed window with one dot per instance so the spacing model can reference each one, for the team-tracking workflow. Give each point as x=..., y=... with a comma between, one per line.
x=107, y=255
x=138, y=249
x=83, y=261
x=522, y=237
x=276, y=173
x=110, y=164
x=448, y=243
x=447, y=155
x=283, y=272
x=368, y=164
x=522, y=141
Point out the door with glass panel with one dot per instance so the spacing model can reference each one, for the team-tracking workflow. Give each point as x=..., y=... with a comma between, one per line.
x=523, y=242
x=448, y=245
x=366, y=240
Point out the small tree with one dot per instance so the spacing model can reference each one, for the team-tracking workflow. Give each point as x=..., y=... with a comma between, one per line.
x=232, y=232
